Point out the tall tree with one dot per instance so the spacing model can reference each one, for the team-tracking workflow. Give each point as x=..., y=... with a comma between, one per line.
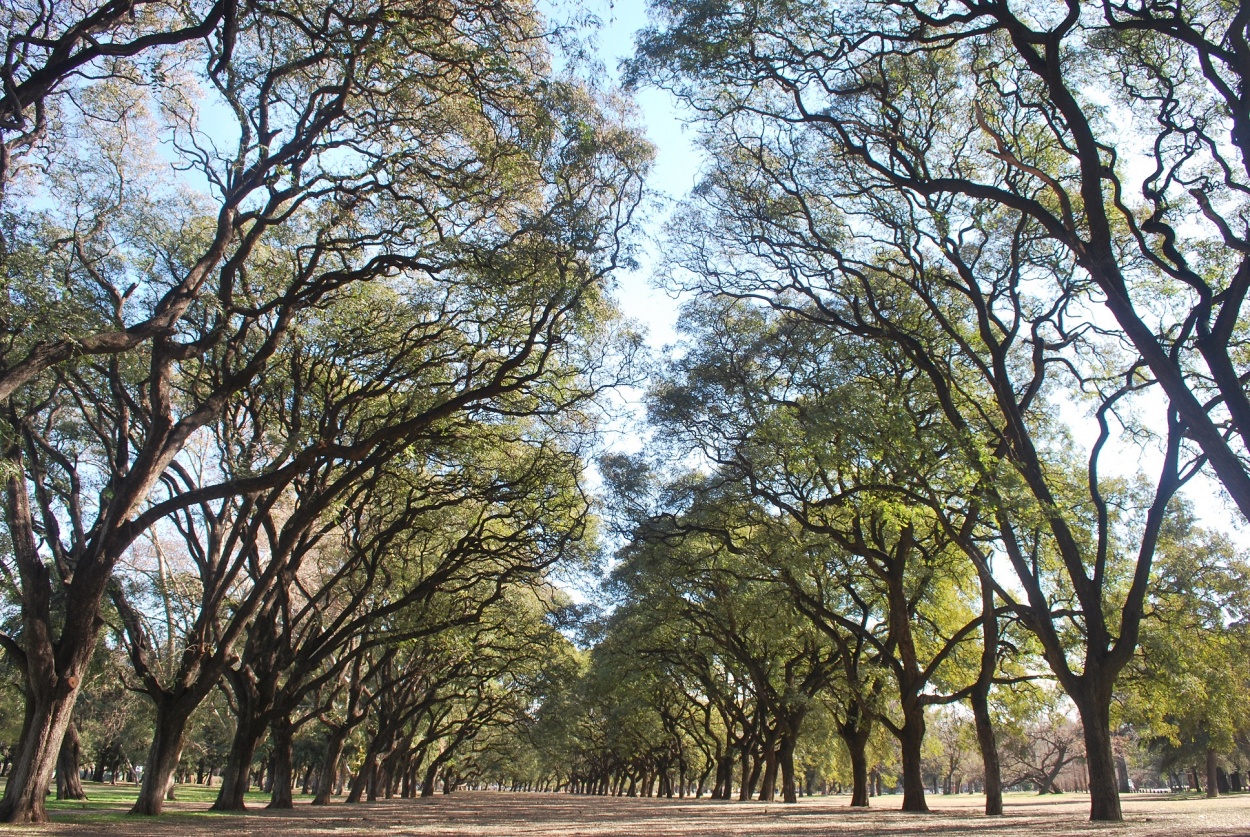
x=503, y=184
x=840, y=194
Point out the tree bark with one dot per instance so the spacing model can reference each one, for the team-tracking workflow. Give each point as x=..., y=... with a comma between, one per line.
x=785, y=755
x=988, y=743
x=362, y=779
x=1213, y=785
x=911, y=740
x=1093, y=704
x=855, y=731
x=163, y=756
x=330, y=766
x=31, y=775
x=281, y=733
x=68, y=780
x=768, y=787
x=54, y=668
x=980, y=700
x=236, y=777
x=431, y=773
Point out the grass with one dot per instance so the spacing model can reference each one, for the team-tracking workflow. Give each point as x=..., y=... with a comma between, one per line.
x=109, y=803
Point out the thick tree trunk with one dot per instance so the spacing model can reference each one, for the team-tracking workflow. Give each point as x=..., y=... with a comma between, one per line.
x=361, y=781
x=753, y=778
x=163, y=756
x=28, y=781
x=725, y=776
x=329, y=769
x=54, y=667
x=431, y=774
x=68, y=780
x=1121, y=773
x=236, y=777
x=988, y=743
x=768, y=787
x=281, y=734
x=1094, y=707
x=785, y=755
x=911, y=740
x=855, y=731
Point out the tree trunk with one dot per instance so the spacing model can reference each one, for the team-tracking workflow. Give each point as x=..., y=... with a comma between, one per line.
x=725, y=776
x=755, y=761
x=1094, y=707
x=1121, y=772
x=329, y=769
x=855, y=731
x=280, y=734
x=163, y=756
x=1213, y=786
x=28, y=781
x=53, y=667
x=785, y=755
x=363, y=778
x=431, y=773
x=980, y=700
x=68, y=780
x=236, y=777
x=911, y=740
x=768, y=787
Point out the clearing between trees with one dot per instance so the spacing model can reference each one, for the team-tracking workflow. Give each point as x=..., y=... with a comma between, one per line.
x=489, y=813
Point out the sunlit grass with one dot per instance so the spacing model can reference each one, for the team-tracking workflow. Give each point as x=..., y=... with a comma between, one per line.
x=107, y=802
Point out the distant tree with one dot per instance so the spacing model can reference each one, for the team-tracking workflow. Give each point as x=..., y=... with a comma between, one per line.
x=1183, y=689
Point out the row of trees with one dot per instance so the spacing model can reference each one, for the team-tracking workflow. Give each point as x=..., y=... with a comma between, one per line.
x=303, y=326
x=929, y=234
x=305, y=320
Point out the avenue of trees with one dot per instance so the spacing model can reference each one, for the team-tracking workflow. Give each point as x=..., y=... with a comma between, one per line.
x=307, y=330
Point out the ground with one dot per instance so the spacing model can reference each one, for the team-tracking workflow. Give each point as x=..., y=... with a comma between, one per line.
x=492, y=814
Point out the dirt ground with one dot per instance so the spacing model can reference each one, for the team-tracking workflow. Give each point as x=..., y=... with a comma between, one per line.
x=491, y=814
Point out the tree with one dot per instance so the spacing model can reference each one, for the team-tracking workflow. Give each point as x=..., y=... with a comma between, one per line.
x=847, y=442
x=840, y=194
x=337, y=178
x=1182, y=689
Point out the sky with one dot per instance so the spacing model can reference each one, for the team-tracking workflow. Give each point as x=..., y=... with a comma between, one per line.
x=676, y=167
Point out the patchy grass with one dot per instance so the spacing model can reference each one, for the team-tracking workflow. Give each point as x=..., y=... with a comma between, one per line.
x=493, y=814
x=104, y=797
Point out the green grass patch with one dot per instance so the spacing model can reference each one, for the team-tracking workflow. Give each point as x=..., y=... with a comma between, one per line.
x=107, y=803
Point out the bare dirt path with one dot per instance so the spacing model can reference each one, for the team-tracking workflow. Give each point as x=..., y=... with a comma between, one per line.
x=490, y=814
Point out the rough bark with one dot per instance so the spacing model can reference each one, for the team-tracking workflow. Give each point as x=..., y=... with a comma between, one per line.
x=362, y=779
x=911, y=739
x=785, y=755
x=163, y=756
x=237, y=775
x=46, y=719
x=854, y=731
x=68, y=780
x=1094, y=706
x=281, y=733
x=53, y=670
x=431, y=773
x=1213, y=785
x=329, y=769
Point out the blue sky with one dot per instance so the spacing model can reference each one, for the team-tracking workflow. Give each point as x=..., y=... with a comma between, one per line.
x=677, y=161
